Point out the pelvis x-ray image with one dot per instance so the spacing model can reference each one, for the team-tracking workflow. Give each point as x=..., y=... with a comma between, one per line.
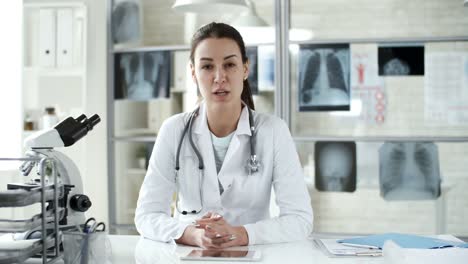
x=324, y=76
x=409, y=171
x=335, y=166
x=142, y=75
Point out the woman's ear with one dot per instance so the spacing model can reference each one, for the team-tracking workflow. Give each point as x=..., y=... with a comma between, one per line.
x=192, y=71
x=246, y=69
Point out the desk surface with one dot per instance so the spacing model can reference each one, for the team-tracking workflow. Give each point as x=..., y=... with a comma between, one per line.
x=133, y=249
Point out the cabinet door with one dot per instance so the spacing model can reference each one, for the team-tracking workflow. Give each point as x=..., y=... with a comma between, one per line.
x=64, y=37
x=47, y=29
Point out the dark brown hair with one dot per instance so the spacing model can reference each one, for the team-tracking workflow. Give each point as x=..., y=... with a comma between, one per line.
x=221, y=30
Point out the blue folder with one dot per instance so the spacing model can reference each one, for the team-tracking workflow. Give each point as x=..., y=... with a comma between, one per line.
x=403, y=240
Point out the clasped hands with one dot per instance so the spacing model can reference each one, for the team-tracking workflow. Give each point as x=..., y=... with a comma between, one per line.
x=212, y=231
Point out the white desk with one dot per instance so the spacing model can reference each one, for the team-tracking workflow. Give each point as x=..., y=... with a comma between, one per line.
x=133, y=249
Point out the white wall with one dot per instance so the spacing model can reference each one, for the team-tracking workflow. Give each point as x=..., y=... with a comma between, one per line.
x=95, y=173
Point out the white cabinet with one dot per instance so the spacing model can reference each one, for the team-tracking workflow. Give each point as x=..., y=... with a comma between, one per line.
x=54, y=58
x=54, y=63
x=55, y=35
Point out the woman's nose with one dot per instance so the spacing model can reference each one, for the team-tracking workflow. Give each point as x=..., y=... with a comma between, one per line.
x=220, y=75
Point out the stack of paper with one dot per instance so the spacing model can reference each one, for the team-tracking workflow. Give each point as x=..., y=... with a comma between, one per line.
x=394, y=254
x=334, y=249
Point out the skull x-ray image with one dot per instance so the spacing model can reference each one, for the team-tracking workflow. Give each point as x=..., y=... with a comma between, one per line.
x=324, y=77
x=253, y=69
x=409, y=171
x=335, y=166
x=401, y=60
x=126, y=21
x=142, y=75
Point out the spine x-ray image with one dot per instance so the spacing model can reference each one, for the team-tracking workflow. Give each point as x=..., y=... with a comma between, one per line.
x=142, y=75
x=253, y=69
x=126, y=21
x=324, y=76
x=408, y=60
x=409, y=171
x=335, y=166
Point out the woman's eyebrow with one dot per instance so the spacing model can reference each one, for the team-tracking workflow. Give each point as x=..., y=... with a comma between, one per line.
x=230, y=56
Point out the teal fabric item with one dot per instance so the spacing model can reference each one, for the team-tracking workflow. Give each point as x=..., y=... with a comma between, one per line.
x=404, y=241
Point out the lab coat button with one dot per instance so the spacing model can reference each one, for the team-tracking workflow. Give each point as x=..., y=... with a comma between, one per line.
x=229, y=186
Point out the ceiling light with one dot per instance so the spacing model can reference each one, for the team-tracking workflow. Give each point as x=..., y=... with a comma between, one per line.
x=255, y=30
x=249, y=18
x=210, y=6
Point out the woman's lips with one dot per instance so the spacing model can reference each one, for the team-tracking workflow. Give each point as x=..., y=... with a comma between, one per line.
x=221, y=92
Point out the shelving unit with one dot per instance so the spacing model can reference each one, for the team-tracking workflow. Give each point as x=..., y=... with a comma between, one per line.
x=133, y=126
x=46, y=222
x=54, y=66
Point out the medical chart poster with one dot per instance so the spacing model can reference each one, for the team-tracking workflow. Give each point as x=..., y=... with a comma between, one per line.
x=368, y=88
x=446, y=88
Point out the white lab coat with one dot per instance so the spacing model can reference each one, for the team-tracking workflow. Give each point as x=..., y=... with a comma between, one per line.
x=246, y=198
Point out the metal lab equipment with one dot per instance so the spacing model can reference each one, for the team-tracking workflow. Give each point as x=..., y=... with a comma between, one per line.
x=56, y=185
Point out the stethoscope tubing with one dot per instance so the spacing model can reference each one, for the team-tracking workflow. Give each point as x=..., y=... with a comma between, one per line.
x=253, y=162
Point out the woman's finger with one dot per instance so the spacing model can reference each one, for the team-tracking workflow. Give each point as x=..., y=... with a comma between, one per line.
x=219, y=220
x=207, y=215
x=226, y=241
x=231, y=241
x=216, y=216
x=208, y=244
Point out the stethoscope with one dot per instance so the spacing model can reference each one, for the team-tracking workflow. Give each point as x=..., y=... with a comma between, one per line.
x=253, y=164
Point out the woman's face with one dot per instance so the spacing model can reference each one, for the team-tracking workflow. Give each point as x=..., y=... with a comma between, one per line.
x=219, y=72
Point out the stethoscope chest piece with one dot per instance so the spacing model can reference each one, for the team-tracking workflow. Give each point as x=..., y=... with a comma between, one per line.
x=253, y=165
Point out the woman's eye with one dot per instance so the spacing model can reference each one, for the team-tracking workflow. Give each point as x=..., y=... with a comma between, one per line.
x=230, y=65
x=207, y=67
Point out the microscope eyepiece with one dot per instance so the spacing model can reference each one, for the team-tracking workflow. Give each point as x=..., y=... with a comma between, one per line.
x=72, y=130
x=93, y=120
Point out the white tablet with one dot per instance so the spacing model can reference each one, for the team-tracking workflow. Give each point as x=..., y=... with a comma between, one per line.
x=222, y=255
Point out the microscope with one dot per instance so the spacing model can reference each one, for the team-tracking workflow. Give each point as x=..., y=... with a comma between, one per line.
x=41, y=145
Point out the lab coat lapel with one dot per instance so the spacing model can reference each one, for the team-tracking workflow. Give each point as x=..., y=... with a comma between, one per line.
x=235, y=156
x=203, y=142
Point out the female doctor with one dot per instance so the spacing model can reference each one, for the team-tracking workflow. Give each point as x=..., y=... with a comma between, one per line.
x=222, y=160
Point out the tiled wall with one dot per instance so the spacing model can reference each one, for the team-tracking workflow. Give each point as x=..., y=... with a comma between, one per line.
x=364, y=211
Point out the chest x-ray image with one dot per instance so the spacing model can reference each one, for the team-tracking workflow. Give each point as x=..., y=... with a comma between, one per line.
x=409, y=171
x=143, y=75
x=253, y=69
x=407, y=60
x=335, y=166
x=126, y=21
x=324, y=77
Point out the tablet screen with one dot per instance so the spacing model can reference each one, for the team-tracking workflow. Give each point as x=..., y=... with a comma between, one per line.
x=216, y=253
x=223, y=255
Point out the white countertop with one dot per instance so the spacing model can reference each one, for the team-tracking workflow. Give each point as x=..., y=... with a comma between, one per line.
x=133, y=249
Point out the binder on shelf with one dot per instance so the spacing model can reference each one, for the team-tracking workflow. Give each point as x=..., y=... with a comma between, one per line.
x=47, y=31
x=64, y=37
